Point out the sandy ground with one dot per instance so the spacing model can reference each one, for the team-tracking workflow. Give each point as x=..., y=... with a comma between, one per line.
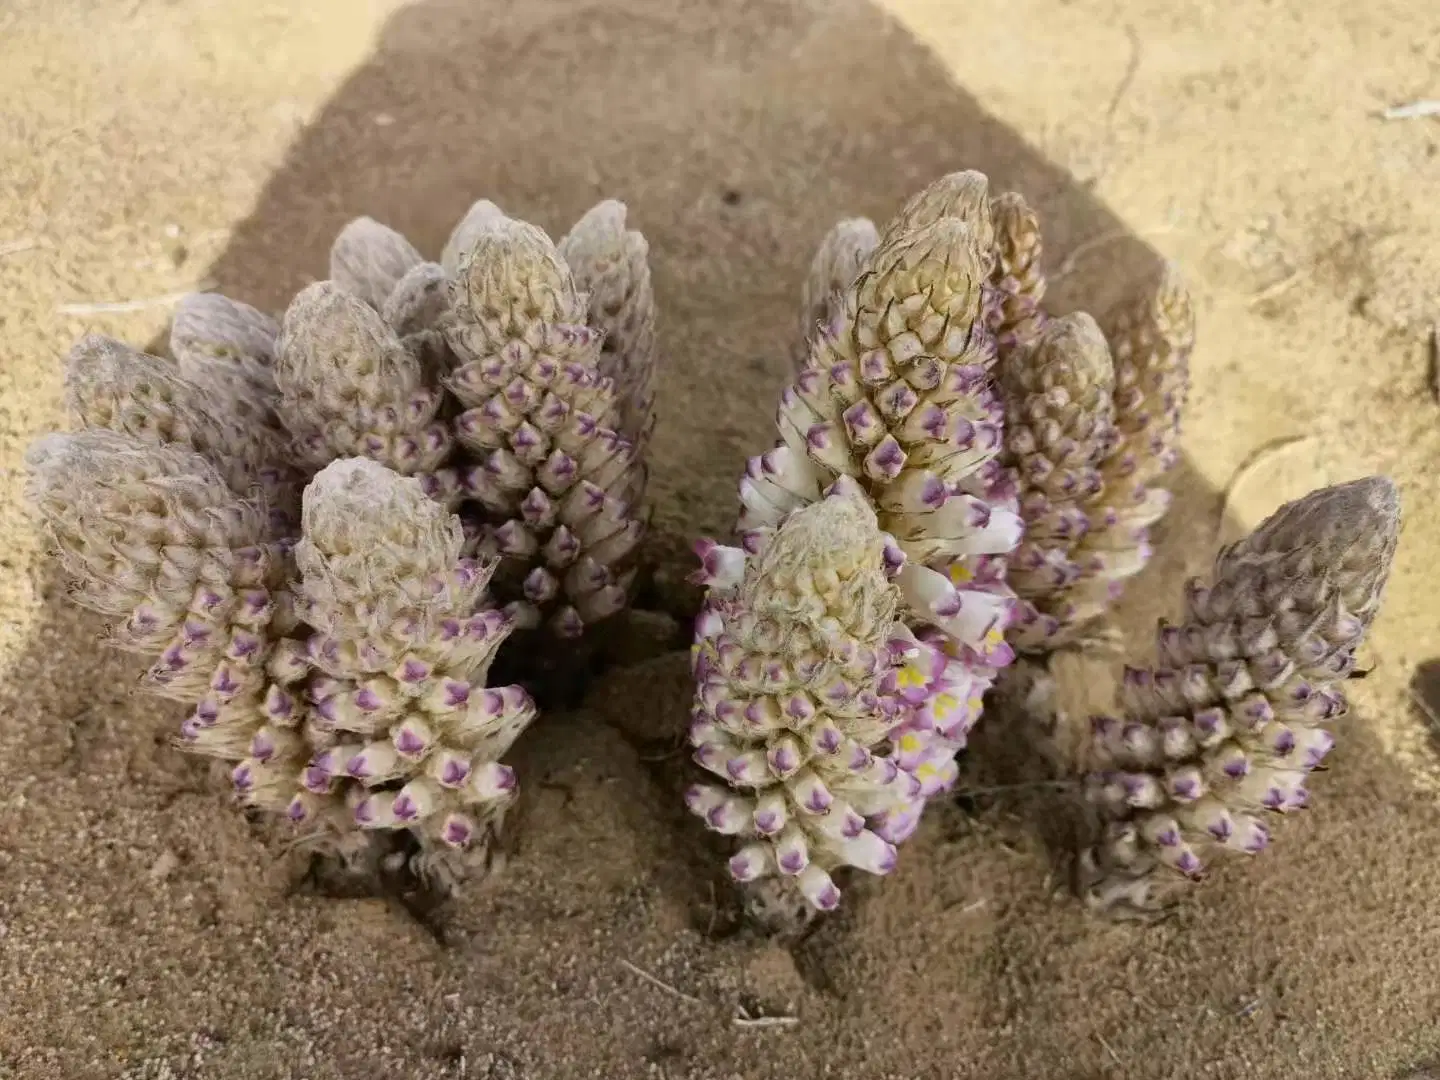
x=146, y=931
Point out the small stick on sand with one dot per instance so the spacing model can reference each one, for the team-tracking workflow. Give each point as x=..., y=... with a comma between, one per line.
x=1284, y=285
x=745, y=1020
x=1033, y=785
x=14, y=247
x=120, y=307
x=1108, y=1048
x=765, y=1021
x=656, y=982
x=1434, y=361
x=1413, y=111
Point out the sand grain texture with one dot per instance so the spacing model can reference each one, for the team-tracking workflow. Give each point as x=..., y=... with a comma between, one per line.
x=146, y=931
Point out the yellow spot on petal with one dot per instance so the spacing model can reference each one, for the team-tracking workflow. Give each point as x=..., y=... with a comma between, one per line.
x=926, y=771
x=974, y=703
x=944, y=705
x=909, y=743
x=994, y=638
x=910, y=675
x=960, y=574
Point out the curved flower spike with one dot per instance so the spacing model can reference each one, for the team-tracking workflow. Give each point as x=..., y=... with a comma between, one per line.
x=1224, y=730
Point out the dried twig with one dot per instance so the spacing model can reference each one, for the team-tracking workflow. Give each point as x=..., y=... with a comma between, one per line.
x=1033, y=785
x=1412, y=111
x=1433, y=361
x=1284, y=285
x=627, y=965
x=745, y=1020
x=14, y=247
x=120, y=307
x=1132, y=65
x=1108, y=1048
x=765, y=1021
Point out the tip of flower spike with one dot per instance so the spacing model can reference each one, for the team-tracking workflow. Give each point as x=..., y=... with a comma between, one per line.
x=600, y=238
x=1071, y=351
x=73, y=468
x=359, y=481
x=462, y=237
x=1332, y=526
x=502, y=255
x=354, y=504
x=322, y=318
x=837, y=535
x=98, y=358
x=956, y=242
x=207, y=323
x=964, y=196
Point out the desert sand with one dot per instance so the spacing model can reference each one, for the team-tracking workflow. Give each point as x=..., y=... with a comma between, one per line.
x=148, y=148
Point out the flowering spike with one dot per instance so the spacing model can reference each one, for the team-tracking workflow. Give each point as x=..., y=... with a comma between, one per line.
x=350, y=388
x=560, y=484
x=611, y=264
x=896, y=394
x=109, y=385
x=218, y=338
x=813, y=701
x=1018, y=277
x=1059, y=392
x=417, y=304
x=1176, y=783
x=404, y=646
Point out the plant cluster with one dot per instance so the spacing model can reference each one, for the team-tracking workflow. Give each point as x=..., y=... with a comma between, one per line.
x=323, y=531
